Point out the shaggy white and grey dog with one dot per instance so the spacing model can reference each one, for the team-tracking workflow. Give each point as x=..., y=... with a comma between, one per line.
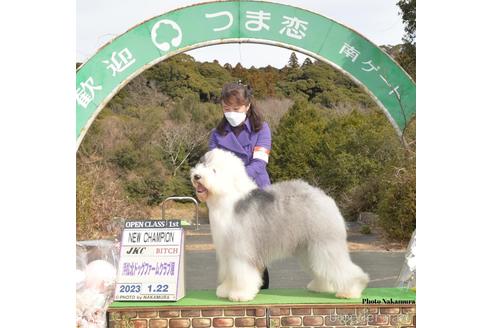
x=252, y=227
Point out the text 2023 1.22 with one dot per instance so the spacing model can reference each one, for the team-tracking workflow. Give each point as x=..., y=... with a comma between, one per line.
x=150, y=288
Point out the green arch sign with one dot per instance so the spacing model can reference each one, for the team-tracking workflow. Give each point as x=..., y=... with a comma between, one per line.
x=156, y=39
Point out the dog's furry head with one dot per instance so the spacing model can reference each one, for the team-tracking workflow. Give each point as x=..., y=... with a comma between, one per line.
x=219, y=173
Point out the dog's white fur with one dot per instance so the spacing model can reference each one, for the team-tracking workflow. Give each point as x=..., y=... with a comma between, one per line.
x=252, y=227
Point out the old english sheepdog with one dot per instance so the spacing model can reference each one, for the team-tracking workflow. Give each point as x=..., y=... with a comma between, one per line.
x=252, y=227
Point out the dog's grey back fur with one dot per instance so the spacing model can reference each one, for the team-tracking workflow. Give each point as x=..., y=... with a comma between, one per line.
x=294, y=212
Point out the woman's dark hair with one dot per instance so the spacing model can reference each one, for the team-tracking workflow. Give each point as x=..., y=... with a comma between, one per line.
x=238, y=94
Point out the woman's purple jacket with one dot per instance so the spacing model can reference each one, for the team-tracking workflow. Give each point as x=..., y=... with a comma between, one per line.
x=243, y=146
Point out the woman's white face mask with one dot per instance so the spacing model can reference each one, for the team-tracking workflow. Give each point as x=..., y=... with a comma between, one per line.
x=235, y=118
x=235, y=115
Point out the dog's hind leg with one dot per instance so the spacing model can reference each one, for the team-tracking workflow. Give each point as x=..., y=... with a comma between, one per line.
x=319, y=282
x=245, y=280
x=334, y=271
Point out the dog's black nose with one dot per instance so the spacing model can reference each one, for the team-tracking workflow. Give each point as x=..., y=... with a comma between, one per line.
x=196, y=177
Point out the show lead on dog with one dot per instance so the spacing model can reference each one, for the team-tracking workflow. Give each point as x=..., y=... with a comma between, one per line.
x=243, y=131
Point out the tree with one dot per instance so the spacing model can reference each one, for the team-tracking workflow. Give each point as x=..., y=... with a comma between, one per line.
x=408, y=12
x=293, y=61
x=407, y=57
x=178, y=142
x=356, y=147
x=240, y=73
x=397, y=205
x=296, y=142
x=307, y=62
x=238, y=70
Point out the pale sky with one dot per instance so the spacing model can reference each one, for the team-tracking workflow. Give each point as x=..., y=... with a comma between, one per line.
x=99, y=21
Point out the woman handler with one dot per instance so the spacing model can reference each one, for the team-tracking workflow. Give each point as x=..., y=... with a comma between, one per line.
x=243, y=132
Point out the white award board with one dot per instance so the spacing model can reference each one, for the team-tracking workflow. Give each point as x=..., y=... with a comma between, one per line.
x=151, y=261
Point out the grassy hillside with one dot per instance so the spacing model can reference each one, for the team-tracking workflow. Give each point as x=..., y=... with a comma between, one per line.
x=326, y=130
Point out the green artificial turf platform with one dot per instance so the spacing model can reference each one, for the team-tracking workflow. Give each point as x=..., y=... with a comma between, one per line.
x=275, y=296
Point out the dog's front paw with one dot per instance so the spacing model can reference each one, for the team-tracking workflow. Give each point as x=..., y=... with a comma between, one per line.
x=241, y=296
x=222, y=291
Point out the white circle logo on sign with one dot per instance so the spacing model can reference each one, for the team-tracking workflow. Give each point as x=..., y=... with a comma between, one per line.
x=165, y=46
